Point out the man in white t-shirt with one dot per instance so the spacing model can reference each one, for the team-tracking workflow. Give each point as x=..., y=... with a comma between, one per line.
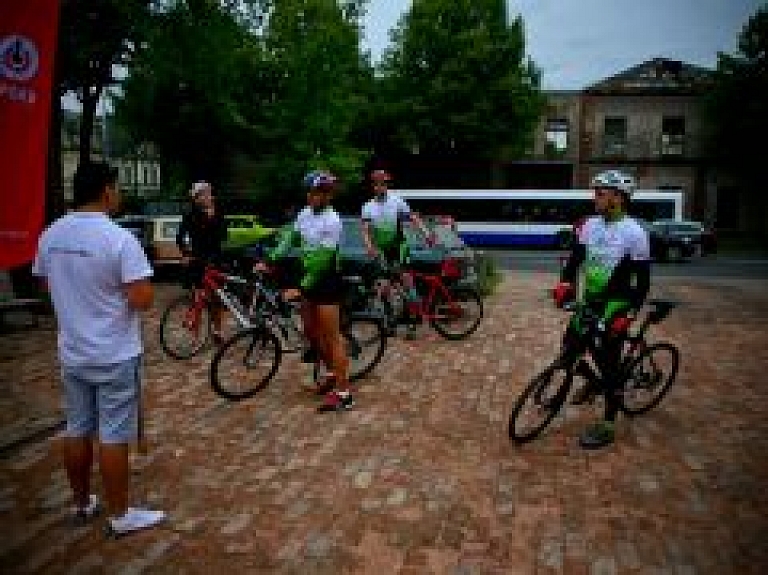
x=99, y=280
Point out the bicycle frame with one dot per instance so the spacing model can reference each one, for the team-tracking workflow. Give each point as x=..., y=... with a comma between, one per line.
x=435, y=285
x=214, y=287
x=433, y=282
x=593, y=336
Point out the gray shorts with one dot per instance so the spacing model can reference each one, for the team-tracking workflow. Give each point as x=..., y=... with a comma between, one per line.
x=103, y=399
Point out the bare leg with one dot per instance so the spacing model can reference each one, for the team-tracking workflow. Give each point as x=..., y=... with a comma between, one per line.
x=328, y=321
x=78, y=459
x=313, y=333
x=116, y=473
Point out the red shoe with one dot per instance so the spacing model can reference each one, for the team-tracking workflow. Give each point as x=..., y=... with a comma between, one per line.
x=335, y=401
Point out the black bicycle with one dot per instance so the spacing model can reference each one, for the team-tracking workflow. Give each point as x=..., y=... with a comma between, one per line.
x=646, y=372
x=246, y=363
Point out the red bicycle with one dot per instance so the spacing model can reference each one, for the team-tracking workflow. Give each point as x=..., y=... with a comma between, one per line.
x=185, y=327
x=453, y=310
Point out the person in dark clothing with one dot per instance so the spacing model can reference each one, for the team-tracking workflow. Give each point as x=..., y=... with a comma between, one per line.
x=614, y=250
x=202, y=233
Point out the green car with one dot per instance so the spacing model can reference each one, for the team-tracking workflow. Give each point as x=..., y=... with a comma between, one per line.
x=245, y=230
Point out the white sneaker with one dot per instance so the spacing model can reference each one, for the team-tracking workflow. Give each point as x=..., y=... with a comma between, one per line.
x=134, y=519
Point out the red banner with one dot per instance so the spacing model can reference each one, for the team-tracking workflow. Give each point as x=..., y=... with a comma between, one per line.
x=27, y=45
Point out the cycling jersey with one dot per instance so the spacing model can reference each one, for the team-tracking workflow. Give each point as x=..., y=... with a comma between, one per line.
x=616, y=256
x=318, y=236
x=385, y=217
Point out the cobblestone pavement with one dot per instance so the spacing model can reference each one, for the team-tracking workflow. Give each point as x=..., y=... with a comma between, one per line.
x=420, y=476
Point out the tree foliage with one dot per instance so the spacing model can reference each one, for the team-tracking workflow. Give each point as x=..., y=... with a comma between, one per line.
x=737, y=104
x=318, y=83
x=186, y=91
x=271, y=86
x=457, y=81
x=96, y=37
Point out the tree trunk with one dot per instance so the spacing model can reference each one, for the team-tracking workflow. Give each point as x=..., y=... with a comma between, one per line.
x=90, y=100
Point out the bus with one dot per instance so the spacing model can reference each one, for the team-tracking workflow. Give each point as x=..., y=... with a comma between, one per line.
x=536, y=218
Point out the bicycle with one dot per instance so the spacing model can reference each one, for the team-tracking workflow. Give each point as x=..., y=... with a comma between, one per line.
x=246, y=363
x=186, y=324
x=452, y=310
x=641, y=371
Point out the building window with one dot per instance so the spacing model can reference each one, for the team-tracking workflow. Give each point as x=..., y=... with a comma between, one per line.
x=672, y=136
x=615, y=136
x=557, y=136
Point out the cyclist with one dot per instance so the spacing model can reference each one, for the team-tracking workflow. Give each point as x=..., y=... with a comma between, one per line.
x=201, y=234
x=317, y=230
x=383, y=218
x=615, y=249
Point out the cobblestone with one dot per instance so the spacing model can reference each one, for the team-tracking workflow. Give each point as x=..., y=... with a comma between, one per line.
x=420, y=476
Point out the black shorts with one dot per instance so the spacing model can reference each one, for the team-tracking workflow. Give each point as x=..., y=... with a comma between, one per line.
x=329, y=290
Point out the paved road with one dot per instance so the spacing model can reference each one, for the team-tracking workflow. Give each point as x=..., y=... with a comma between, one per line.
x=420, y=477
x=718, y=266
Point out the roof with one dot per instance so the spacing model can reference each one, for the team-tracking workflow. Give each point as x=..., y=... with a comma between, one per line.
x=656, y=76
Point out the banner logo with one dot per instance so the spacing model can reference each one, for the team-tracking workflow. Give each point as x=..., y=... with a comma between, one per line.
x=19, y=59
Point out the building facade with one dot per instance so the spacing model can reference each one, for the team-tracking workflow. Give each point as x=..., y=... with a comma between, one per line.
x=138, y=167
x=645, y=121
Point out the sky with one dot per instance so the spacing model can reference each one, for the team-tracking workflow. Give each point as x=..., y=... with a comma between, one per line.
x=576, y=43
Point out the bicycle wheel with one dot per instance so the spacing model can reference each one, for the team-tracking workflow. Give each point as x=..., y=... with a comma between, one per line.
x=182, y=334
x=458, y=317
x=649, y=377
x=245, y=363
x=366, y=341
x=540, y=402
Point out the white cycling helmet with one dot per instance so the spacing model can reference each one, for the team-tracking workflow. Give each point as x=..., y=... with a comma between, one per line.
x=616, y=180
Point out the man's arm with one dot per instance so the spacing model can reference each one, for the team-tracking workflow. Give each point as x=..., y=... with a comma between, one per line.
x=575, y=259
x=641, y=269
x=140, y=294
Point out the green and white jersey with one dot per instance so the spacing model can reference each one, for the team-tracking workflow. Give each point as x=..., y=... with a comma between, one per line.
x=610, y=246
x=385, y=217
x=318, y=236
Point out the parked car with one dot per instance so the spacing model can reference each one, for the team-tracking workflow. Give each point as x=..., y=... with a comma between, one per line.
x=703, y=238
x=157, y=235
x=141, y=227
x=668, y=244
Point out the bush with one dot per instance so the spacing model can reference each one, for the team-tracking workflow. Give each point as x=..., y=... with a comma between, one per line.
x=488, y=274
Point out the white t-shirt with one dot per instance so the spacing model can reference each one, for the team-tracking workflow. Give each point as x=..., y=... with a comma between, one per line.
x=319, y=230
x=87, y=259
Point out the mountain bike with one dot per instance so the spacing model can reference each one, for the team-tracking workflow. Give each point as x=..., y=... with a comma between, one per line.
x=646, y=372
x=452, y=310
x=246, y=363
x=186, y=325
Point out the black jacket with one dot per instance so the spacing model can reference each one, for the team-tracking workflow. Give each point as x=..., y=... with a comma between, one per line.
x=201, y=236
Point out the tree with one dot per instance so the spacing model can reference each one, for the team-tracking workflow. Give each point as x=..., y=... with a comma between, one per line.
x=188, y=90
x=319, y=85
x=736, y=107
x=456, y=81
x=95, y=38
x=736, y=104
